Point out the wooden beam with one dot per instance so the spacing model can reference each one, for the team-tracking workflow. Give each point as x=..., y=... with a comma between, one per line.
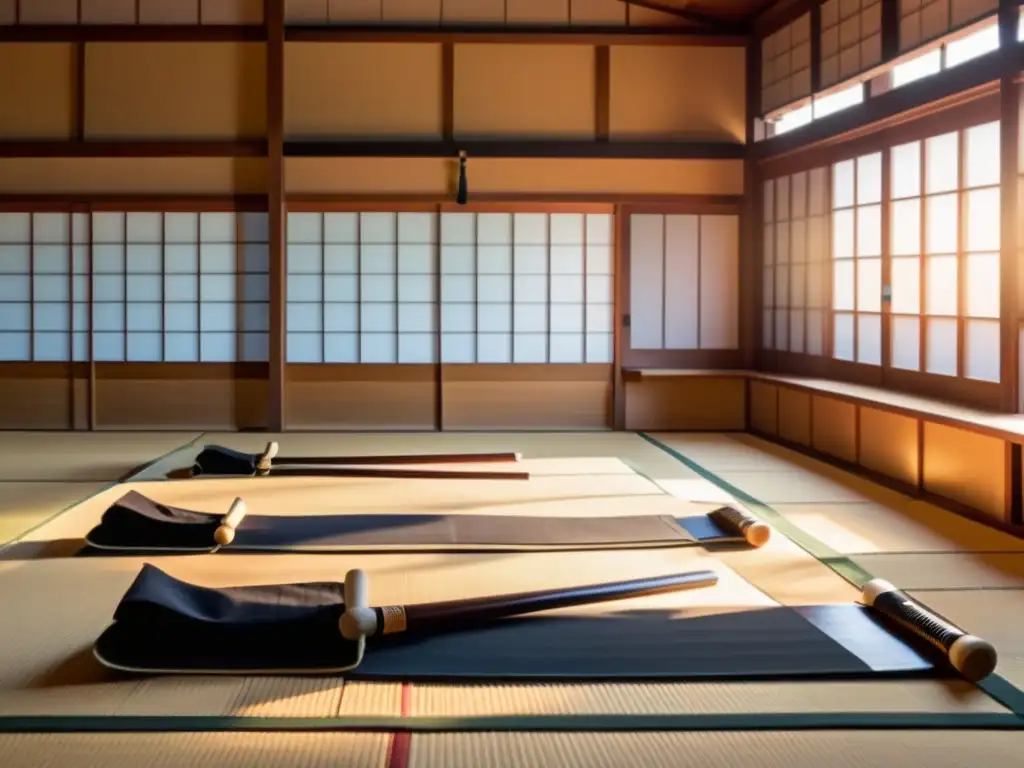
x=602, y=93
x=78, y=94
x=132, y=33
x=511, y=148
x=776, y=16
x=1009, y=153
x=448, y=91
x=273, y=13
x=520, y=35
x=815, y=48
x=710, y=23
x=750, y=223
x=130, y=148
x=890, y=29
x=620, y=284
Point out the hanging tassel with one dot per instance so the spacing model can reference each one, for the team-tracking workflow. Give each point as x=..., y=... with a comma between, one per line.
x=462, y=193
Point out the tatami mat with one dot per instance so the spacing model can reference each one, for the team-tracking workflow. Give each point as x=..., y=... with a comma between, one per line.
x=82, y=456
x=963, y=570
x=46, y=657
x=187, y=750
x=46, y=667
x=723, y=453
x=870, y=527
x=836, y=749
x=561, y=447
x=24, y=505
x=700, y=698
x=775, y=474
x=718, y=750
x=560, y=487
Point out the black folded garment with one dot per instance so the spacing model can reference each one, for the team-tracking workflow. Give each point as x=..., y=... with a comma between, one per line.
x=164, y=625
x=135, y=523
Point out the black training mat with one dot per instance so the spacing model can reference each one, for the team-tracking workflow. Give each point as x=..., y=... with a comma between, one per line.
x=163, y=625
x=135, y=523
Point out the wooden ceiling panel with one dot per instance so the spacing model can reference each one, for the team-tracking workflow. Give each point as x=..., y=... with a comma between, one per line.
x=726, y=11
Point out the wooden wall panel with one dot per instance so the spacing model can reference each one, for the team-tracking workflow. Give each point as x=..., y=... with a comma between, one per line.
x=474, y=11
x=175, y=90
x=526, y=397
x=966, y=467
x=764, y=408
x=795, y=416
x=651, y=17
x=37, y=82
x=497, y=176
x=537, y=11
x=678, y=92
x=524, y=90
x=232, y=11
x=143, y=176
x=178, y=396
x=834, y=425
x=38, y=395
x=698, y=403
x=600, y=13
x=168, y=12
x=80, y=401
x=889, y=444
x=363, y=90
x=361, y=397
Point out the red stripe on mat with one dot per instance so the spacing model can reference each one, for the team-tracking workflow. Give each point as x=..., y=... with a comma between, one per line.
x=398, y=754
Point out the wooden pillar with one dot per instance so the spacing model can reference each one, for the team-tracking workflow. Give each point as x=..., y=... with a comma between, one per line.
x=274, y=20
x=602, y=92
x=750, y=221
x=1009, y=11
x=890, y=29
x=815, y=48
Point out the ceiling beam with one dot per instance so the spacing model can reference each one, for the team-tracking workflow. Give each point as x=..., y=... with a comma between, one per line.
x=711, y=23
x=522, y=148
x=520, y=35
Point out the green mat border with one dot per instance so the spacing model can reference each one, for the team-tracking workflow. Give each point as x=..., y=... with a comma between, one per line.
x=996, y=686
x=134, y=475
x=797, y=721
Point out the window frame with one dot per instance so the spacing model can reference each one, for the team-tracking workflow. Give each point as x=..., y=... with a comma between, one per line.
x=984, y=108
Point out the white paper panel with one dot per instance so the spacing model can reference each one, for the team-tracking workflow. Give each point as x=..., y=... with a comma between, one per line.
x=682, y=282
x=647, y=270
x=719, y=282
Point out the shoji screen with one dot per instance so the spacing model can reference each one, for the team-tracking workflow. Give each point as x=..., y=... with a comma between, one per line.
x=851, y=38
x=162, y=287
x=786, y=65
x=796, y=251
x=857, y=259
x=526, y=288
x=362, y=287
x=43, y=264
x=924, y=20
x=945, y=285
x=168, y=287
x=684, y=275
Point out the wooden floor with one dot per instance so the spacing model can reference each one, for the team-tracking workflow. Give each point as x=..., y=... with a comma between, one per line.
x=827, y=525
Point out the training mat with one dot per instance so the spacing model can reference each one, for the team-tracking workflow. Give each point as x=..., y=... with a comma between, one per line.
x=137, y=523
x=164, y=625
x=652, y=749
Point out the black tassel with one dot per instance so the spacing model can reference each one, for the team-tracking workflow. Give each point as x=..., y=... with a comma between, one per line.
x=462, y=193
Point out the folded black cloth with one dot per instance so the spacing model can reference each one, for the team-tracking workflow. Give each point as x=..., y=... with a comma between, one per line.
x=164, y=625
